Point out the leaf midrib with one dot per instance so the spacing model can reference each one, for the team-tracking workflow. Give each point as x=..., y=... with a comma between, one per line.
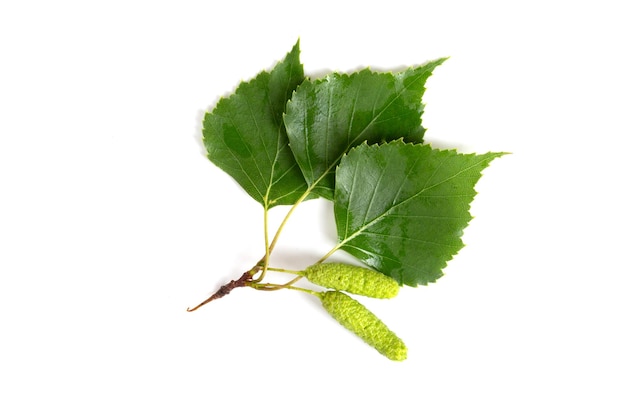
x=355, y=140
x=280, y=122
x=395, y=206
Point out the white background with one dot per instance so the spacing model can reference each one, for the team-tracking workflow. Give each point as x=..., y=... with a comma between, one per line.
x=112, y=221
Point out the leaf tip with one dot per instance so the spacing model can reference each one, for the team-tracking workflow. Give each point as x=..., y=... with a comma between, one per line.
x=296, y=47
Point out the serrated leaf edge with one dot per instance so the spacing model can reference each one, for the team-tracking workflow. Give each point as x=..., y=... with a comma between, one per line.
x=264, y=200
x=400, y=142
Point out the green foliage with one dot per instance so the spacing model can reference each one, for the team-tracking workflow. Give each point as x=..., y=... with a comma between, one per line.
x=327, y=117
x=245, y=135
x=401, y=208
x=356, y=139
x=352, y=279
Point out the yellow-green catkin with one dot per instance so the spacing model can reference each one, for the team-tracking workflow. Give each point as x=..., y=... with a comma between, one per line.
x=357, y=318
x=352, y=279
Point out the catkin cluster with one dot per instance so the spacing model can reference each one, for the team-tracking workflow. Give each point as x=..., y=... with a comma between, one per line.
x=352, y=314
x=352, y=279
x=358, y=319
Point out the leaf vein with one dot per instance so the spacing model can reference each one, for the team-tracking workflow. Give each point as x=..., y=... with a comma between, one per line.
x=382, y=215
x=407, y=238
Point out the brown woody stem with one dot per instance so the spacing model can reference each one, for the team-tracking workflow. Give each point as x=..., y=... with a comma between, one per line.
x=225, y=289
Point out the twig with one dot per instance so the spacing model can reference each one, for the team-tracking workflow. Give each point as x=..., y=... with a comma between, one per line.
x=226, y=289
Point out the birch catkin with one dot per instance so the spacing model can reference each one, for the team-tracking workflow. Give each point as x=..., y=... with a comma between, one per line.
x=352, y=279
x=357, y=318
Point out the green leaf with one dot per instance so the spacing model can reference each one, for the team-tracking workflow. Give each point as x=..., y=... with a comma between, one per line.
x=245, y=136
x=327, y=117
x=401, y=208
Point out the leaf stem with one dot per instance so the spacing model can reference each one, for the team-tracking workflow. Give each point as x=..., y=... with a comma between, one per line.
x=287, y=216
x=276, y=287
x=303, y=197
x=286, y=271
x=330, y=252
x=293, y=281
x=264, y=262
